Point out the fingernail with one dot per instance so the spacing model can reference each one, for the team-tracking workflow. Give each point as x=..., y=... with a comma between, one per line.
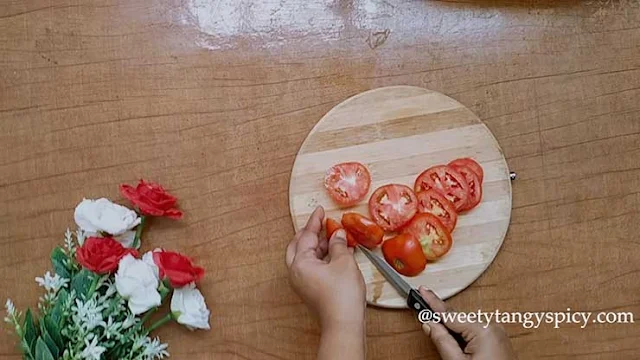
x=340, y=233
x=427, y=329
x=422, y=288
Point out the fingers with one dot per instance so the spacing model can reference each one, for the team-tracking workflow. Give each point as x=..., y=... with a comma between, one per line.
x=314, y=224
x=323, y=247
x=447, y=346
x=311, y=228
x=291, y=251
x=433, y=300
x=338, y=244
x=308, y=238
x=464, y=328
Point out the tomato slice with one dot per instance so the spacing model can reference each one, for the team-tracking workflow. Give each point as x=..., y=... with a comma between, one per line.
x=366, y=232
x=404, y=254
x=332, y=226
x=433, y=236
x=431, y=201
x=472, y=164
x=347, y=183
x=447, y=181
x=475, y=186
x=392, y=206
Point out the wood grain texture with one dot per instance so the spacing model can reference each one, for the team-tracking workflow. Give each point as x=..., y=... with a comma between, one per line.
x=397, y=132
x=214, y=98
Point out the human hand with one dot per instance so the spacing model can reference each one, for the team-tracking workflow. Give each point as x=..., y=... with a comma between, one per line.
x=325, y=274
x=491, y=343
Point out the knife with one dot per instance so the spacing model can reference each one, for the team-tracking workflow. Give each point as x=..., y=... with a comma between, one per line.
x=414, y=299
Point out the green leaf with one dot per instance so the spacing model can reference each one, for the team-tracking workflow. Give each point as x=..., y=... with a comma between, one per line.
x=54, y=331
x=30, y=330
x=51, y=345
x=27, y=352
x=82, y=282
x=59, y=260
x=56, y=311
x=42, y=351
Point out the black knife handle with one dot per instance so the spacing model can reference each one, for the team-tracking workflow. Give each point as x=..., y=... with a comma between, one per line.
x=418, y=304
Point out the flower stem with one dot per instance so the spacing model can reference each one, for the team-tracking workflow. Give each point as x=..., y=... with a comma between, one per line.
x=148, y=315
x=159, y=323
x=136, y=239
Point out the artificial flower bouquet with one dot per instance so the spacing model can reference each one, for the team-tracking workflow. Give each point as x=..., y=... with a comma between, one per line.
x=99, y=301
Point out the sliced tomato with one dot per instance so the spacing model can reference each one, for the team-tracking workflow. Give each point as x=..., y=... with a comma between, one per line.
x=332, y=226
x=472, y=164
x=366, y=232
x=475, y=186
x=433, y=236
x=404, y=254
x=392, y=206
x=431, y=201
x=347, y=183
x=446, y=180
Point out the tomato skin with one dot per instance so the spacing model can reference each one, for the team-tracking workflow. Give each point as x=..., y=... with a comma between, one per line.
x=448, y=181
x=332, y=226
x=472, y=164
x=366, y=232
x=392, y=206
x=347, y=183
x=431, y=201
x=475, y=187
x=404, y=253
x=433, y=236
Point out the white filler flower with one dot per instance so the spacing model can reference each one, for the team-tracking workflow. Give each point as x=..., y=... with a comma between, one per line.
x=189, y=309
x=92, y=350
x=94, y=216
x=137, y=282
x=154, y=349
x=52, y=283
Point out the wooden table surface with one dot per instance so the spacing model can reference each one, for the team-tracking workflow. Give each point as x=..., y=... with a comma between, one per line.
x=214, y=98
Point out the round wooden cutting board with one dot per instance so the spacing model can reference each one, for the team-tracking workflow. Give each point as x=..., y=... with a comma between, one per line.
x=397, y=132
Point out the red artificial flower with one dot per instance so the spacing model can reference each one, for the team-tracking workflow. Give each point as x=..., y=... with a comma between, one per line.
x=177, y=268
x=152, y=199
x=102, y=255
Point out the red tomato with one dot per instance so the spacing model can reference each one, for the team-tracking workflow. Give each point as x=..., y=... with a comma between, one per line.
x=433, y=236
x=447, y=181
x=475, y=187
x=472, y=164
x=392, y=206
x=404, y=254
x=431, y=201
x=366, y=232
x=347, y=183
x=333, y=226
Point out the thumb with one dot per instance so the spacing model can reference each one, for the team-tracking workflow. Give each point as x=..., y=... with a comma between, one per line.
x=338, y=244
x=449, y=318
x=447, y=346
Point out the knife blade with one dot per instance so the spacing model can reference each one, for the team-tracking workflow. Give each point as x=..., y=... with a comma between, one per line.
x=414, y=299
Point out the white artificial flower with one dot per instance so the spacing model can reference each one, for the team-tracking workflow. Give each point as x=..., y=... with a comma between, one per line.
x=129, y=321
x=11, y=309
x=88, y=315
x=127, y=238
x=92, y=351
x=148, y=259
x=111, y=328
x=137, y=282
x=52, y=283
x=80, y=236
x=94, y=216
x=12, y=314
x=154, y=349
x=189, y=309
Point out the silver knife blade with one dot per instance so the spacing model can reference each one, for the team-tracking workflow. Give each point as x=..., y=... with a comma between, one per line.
x=387, y=271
